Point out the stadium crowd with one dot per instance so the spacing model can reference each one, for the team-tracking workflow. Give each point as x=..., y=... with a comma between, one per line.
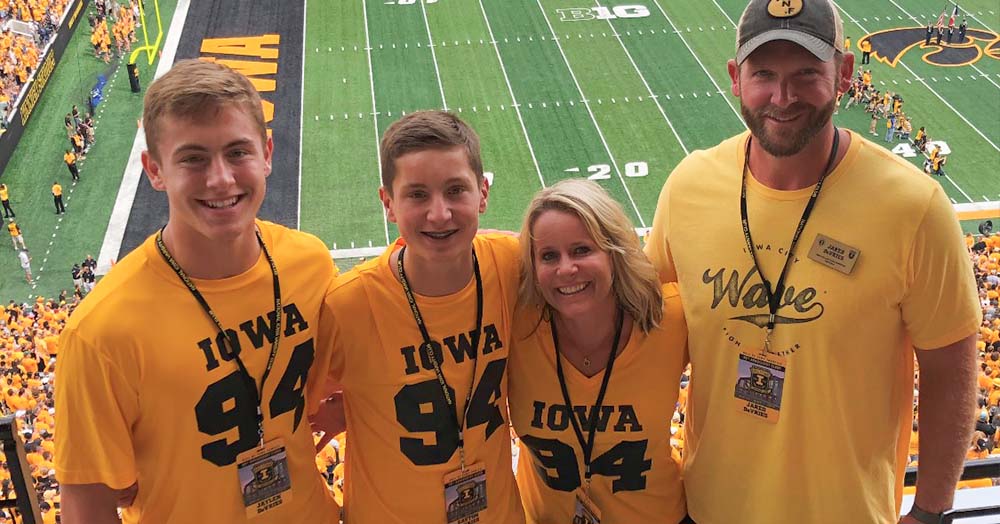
x=20, y=52
x=29, y=343
x=985, y=254
x=113, y=20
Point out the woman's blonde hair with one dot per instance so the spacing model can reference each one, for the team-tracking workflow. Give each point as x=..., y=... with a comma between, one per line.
x=634, y=282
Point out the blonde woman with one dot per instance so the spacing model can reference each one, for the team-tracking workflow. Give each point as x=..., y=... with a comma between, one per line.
x=599, y=347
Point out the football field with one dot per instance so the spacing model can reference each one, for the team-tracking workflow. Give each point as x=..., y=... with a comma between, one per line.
x=616, y=92
x=562, y=88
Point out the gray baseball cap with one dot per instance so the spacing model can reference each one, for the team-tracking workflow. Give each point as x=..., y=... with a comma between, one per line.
x=813, y=24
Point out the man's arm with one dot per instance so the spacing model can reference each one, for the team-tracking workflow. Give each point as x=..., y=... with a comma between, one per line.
x=94, y=503
x=947, y=408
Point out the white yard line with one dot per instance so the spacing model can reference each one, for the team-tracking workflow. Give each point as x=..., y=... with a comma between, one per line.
x=430, y=44
x=972, y=16
x=642, y=77
x=115, y=233
x=586, y=103
x=515, y=105
x=929, y=88
x=980, y=71
x=371, y=86
x=960, y=190
x=703, y=68
x=724, y=13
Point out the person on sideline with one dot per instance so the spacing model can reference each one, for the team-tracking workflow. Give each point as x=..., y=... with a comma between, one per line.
x=598, y=350
x=16, y=235
x=8, y=212
x=25, y=260
x=184, y=380
x=805, y=317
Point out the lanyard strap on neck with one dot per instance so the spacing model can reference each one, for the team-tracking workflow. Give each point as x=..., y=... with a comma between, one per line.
x=774, y=293
x=587, y=445
x=257, y=394
x=428, y=347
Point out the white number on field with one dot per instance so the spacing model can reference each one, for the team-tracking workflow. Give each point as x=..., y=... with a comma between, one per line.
x=488, y=175
x=636, y=169
x=575, y=14
x=945, y=150
x=906, y=150
x=411, y=2
x=599, y=172
x=603, y=171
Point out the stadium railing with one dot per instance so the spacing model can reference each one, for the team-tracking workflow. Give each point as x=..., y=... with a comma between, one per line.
x=988, y=468
x=26, y=499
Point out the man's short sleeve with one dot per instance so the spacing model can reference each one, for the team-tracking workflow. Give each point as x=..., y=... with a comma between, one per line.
x=97, y=407
x=657, y=243
x=940, y=306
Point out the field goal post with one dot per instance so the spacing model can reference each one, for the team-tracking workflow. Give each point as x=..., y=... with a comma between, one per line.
x=151, y=49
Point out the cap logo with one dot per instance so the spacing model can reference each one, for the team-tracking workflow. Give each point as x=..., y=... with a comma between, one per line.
x=784, y=8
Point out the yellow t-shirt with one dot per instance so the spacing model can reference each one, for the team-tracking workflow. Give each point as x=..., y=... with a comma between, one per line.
x=4, y=193
x=847, y=402
x=146, y=393
x=14, y=229
x=403, y=442
x=634, y=479
x=56, y=190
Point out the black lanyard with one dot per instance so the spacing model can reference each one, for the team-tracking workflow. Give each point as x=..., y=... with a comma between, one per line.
x=774, y=294
x=587, y=445
x=250, y=382
x=428, y=347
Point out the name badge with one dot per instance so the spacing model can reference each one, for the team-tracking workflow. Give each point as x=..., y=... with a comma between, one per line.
x=265, y=481
x=585, y=511
x=465, y=494
x=760, y=382
x=833, y=254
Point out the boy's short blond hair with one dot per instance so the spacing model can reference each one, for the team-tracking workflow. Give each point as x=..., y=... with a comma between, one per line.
x=195, y=89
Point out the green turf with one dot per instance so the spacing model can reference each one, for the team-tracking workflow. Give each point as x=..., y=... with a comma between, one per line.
x=538, y=90
x=583, y=89
x=339, y=153
x=56, y=244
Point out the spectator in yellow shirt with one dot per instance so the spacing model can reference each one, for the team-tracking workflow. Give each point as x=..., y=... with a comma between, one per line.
x=57, y=193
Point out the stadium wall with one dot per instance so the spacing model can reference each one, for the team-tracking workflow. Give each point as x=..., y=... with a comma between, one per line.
x=39, y=81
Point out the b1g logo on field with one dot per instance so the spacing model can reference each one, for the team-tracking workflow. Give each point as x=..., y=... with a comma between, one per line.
x=576, y=14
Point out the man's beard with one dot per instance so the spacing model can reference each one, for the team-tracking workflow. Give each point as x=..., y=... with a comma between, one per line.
x=791, y=141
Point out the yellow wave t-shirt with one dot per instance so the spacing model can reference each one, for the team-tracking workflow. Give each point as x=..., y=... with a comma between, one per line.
x=839, y=448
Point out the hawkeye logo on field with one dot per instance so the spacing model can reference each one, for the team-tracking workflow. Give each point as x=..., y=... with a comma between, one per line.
x=577, y=14
x=890, y=45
